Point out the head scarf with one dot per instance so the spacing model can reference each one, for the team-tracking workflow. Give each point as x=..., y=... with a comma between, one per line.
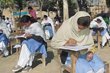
x=3, y=27
x=69, y=29
x=94, y=23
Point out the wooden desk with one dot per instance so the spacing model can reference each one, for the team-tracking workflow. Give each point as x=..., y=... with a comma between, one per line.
x=13, y=41
x=73, y=54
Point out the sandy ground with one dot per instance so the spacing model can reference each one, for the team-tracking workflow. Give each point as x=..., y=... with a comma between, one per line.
x=6, y=64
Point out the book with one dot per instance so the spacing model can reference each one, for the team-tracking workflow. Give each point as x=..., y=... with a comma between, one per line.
x=76, y=47
x=20, y=36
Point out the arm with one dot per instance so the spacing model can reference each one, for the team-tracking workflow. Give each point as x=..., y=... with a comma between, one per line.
x=71, y=42
x=90, y=53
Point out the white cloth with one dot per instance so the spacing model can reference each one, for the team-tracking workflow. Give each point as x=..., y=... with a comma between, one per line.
x=69, y=29
x=4, y=49
x=4, y=28
x=94, y=23
x=36, y=29
x=99, y=71
x=9, y=24
x=25, y=57
x=49, y=20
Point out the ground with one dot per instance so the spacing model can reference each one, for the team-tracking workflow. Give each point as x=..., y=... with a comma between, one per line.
x=6, y=64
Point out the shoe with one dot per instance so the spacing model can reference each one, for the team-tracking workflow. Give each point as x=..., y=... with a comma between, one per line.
x=16, y=68
x=27, y=69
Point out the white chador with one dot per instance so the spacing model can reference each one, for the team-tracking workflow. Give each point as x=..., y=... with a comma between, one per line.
x=104, y=33
x=50, y=29
x=69, y=29
x=4, y=35
x=30, y=46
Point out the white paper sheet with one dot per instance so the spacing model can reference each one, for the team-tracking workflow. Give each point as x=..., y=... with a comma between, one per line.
x=20, y=36
x=75, y=48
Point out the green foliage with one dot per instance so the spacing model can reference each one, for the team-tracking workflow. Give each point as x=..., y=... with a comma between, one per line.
x=71, y=7
x=48, y=5
x=6, y=3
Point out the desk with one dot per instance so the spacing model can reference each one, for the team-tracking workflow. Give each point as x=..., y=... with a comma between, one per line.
x=97, y=30
x=13, y=41
x=73, y=54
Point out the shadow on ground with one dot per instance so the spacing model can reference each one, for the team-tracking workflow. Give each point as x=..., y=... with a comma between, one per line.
x=38, y=56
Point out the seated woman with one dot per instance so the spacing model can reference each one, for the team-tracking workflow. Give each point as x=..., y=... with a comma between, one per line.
x=98, y=24
x=3, y=43
x=77, y=33
x=48, y=27
x=4, y=38
x=34, y=41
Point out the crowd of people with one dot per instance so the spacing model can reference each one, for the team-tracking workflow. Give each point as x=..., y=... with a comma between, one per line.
x=73, y=31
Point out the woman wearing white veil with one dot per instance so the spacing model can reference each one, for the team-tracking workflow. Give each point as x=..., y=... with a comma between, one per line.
x=75, y=31
x=4, y=35
x=100, y=24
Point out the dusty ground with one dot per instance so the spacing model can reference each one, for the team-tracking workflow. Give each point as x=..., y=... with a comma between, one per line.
x=6, y=64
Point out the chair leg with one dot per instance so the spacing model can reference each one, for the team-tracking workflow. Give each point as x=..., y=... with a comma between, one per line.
x=43, y=60
x=59, y=60
x=106, y=67
x=11, y=49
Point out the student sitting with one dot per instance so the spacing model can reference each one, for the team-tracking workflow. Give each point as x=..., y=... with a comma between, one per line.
x=34, y=41
x=98, y=24
x=4, y=35
x=48, y=27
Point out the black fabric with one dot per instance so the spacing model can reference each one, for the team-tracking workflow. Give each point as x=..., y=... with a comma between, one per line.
x=63, y=56
x=97, y=29
x=39, y=39
x=48, y=24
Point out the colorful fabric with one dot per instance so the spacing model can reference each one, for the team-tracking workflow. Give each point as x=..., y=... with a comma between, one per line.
x=33, y=13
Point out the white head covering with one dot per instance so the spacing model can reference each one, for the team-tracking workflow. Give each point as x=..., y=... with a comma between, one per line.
x=49, y=20
x=4, y=27
x=94, y=23
x=69, y=29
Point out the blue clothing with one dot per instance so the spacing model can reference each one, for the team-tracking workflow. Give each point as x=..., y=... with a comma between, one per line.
x=34, y=46
x=49, y=28
x=103, y=32
x=4, y=39
x=83, y=66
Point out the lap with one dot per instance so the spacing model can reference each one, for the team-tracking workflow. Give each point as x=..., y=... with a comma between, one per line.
x=83, y=65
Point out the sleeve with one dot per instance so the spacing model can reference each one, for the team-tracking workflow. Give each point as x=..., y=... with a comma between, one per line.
x=93, y=49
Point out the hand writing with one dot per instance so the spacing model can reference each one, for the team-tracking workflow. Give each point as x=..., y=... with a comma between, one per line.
x=28, y=35
x=71, y=42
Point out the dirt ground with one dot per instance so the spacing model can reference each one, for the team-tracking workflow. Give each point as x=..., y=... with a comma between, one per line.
x=6, y=64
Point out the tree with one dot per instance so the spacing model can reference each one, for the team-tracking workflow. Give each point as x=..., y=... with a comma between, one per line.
x=6, y=4
x=65, y=10
x=40, y=4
